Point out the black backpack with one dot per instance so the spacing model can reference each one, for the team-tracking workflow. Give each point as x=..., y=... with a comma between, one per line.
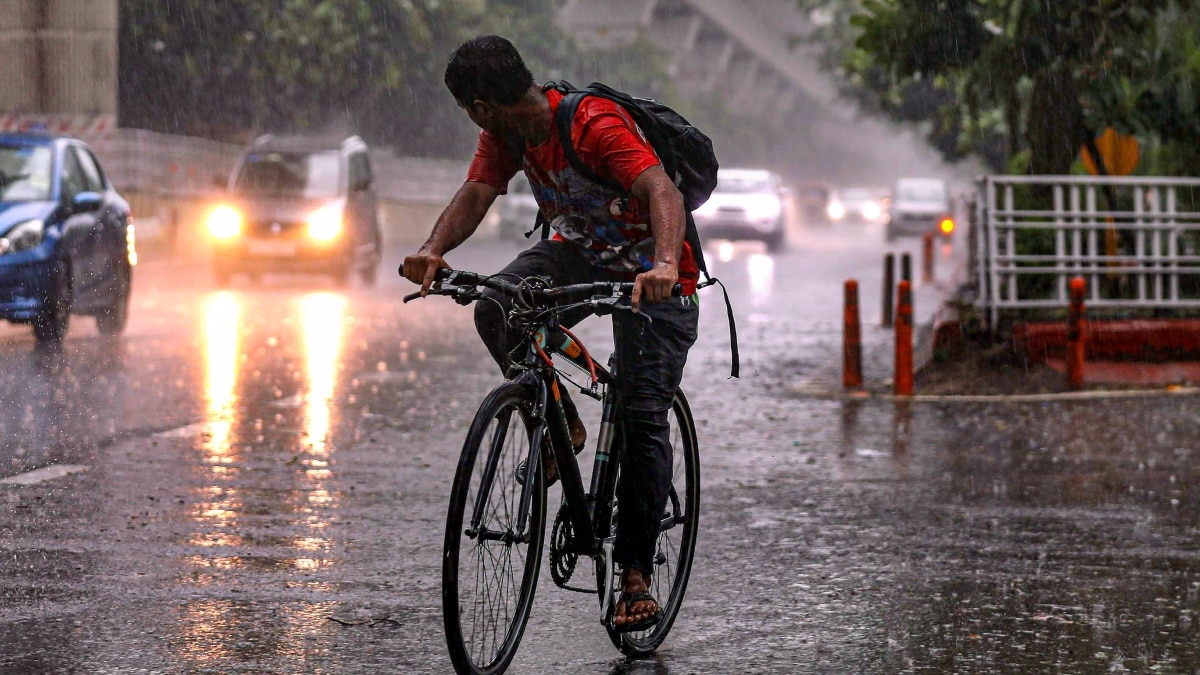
x=686, y=154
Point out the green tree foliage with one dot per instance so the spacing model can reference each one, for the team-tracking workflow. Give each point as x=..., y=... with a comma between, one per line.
x=1025, y=83
x=230, y=70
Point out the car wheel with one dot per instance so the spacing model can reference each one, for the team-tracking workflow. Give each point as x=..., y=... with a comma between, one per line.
x=111, y=320
x=50, y=325
x=776, y=240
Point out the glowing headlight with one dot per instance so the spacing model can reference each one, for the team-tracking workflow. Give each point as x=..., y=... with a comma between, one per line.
x=763, y=208
x=25, y=235
x=707, y=210
x=871, y=211
x=836, y=210
x=224, y=222
x=325, y=224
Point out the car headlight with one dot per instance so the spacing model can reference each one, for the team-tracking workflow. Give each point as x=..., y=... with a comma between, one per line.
x=224, y=223
x=706, y=210
x=325, y=224
x=763, y=209
x=836, y=210
x=871, y=210
x=25, y=235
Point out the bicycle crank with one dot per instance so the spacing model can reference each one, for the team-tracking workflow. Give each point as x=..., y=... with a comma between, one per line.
x=562, y=558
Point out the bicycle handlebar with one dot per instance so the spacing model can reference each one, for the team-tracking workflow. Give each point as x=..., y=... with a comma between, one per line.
x=460, y=279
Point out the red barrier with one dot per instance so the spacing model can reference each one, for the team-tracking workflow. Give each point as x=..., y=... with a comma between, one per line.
x=851, y=339
x=1075, y=357
x=902, y=383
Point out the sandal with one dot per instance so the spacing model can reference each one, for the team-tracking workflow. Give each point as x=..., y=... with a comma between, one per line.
x=629, y=599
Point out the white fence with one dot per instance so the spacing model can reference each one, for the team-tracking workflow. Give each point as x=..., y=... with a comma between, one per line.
x=144, y=161
x=1133, y=239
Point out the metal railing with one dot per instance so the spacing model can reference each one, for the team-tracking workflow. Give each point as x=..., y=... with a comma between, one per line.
x=1135, y=240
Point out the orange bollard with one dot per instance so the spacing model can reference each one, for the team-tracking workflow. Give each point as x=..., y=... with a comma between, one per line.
x=889, y=281
x=902, y=383
x=927, y=258
x=851, y=339
x=1075, y=338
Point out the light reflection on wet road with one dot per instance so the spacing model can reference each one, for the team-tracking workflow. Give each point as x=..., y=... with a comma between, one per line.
x=264, y=459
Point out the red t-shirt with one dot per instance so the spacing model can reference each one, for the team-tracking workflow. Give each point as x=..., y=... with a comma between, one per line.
x=612, y=228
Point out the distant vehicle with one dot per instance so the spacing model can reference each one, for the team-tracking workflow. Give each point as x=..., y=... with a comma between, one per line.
x=747, y=204
x=858, y=205
x=298, y=204
x=920, y=205
x=813, y=199
x=518, y=209
x=66, y=244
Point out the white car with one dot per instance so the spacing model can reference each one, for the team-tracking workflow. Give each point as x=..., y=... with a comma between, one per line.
x=920, y=205
x=858, y=205
x=747, y=204
x=518, y=210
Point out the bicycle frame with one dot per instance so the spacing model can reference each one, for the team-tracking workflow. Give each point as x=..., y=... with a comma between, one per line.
x=539, y=373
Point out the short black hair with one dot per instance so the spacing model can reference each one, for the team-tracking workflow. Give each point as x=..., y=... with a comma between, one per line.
x=487, y=68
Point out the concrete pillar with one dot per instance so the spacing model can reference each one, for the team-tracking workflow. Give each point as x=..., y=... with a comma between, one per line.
x=606, y=24
x=677, y=37
x=784, y=104
x=721, y=64
x=59, y=57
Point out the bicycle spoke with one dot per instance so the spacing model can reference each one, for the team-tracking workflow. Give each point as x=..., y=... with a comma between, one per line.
x=494, y=567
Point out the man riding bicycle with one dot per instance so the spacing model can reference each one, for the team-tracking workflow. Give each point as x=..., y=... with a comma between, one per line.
x=601, y=234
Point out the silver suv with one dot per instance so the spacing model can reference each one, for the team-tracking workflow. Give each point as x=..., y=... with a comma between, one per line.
x=299, y=204
x=920, y=205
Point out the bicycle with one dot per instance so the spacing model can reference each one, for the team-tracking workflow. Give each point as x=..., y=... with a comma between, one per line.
x=499, y=486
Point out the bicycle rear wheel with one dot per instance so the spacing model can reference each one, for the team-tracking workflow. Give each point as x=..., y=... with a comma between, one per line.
x=676, y=541
x=490, y=568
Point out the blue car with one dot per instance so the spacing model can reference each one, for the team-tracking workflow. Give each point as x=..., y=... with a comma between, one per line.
x=66, y=244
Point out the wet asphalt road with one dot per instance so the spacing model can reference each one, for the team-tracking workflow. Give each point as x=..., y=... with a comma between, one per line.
x=262, y=459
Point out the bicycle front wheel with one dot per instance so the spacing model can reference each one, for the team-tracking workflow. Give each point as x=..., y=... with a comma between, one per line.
x=491, y=557
x=677, y=536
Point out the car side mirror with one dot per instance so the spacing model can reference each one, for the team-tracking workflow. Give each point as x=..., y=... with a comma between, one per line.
x=86, y=201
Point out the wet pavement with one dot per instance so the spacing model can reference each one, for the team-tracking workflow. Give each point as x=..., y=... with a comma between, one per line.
x=267, y=470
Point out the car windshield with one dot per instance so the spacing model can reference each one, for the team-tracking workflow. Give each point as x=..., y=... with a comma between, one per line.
x=920, y=193
x=24, y=173
x=743, y=184
x=856, y=195
x=284, y=174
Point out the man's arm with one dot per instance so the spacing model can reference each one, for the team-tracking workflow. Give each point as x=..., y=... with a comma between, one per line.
x=456, y=224
x=655, y=189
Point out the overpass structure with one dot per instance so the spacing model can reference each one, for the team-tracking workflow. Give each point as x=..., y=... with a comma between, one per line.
x=59, y=65
x=739, y=50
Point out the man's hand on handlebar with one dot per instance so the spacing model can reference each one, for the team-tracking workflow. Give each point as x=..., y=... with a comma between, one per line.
x=654, y=285
x=421, y=268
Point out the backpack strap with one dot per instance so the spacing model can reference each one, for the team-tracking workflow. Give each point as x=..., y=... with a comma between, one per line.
x=564, y=120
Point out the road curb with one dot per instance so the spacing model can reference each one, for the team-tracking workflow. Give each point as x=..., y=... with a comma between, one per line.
x=1106, y=394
